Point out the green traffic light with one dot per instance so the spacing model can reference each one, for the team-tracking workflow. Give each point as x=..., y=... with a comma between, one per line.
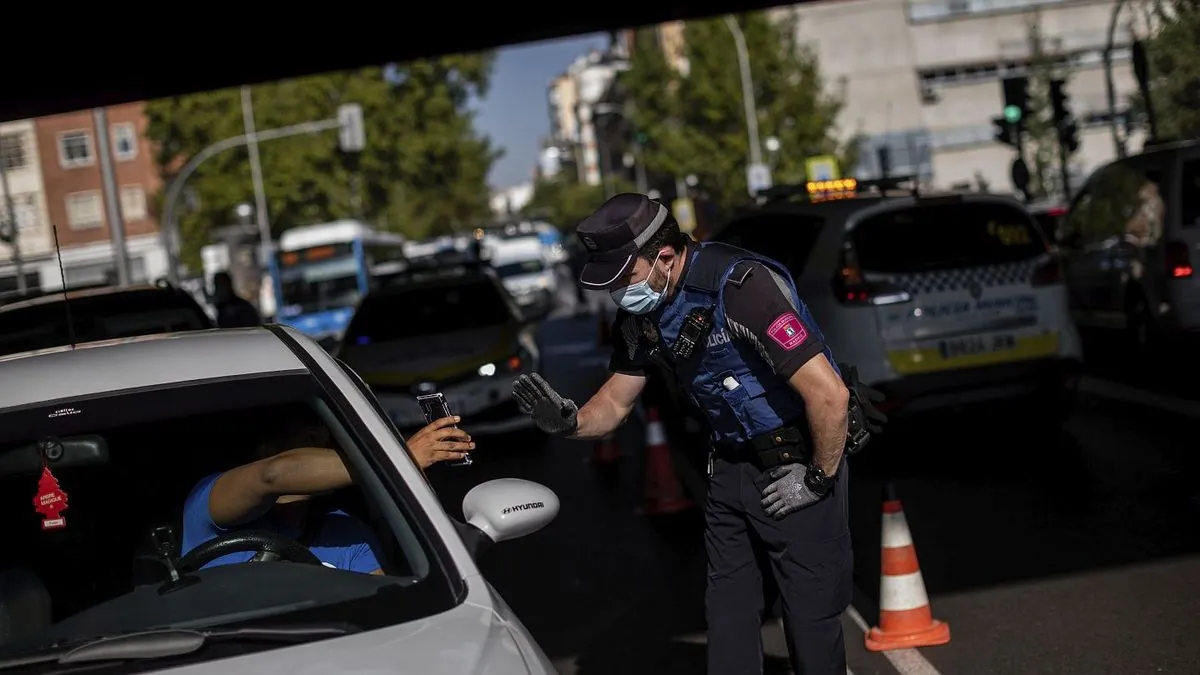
x=1012, y=113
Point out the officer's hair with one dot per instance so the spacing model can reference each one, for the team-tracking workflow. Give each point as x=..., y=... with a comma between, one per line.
x=667, y=235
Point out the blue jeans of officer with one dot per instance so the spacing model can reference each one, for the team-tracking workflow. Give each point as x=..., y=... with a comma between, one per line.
x=807, y=556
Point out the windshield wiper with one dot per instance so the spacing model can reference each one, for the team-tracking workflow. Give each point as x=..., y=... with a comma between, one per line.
x=156, y=644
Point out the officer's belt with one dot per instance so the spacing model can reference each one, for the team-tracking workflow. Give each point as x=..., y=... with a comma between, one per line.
x=785, y=445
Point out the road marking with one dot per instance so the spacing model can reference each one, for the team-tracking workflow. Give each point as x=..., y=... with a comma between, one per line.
x=907, y=661
x=1127, y=394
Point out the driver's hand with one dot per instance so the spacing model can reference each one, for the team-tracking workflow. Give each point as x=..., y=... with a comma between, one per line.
x=440, y=441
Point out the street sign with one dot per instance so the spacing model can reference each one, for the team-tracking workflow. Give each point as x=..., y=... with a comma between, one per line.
x=822, y=167
x=351, y=135
x=685, y=214
x=758, y=178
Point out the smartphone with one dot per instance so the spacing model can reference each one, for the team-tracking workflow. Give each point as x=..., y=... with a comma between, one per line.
x=434, y=407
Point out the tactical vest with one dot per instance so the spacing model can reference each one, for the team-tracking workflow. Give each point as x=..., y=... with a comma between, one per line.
x=763, y=401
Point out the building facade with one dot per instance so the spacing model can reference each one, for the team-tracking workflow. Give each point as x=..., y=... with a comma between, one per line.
x=923, y=78
x=75, y=201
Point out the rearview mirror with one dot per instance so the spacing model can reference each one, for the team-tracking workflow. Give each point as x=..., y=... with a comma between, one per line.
x=59, y=453
x=508, y=508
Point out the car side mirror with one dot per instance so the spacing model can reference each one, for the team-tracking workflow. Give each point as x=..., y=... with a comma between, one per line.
x=507, y=508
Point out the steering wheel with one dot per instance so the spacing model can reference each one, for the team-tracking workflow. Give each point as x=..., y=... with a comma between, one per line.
x=267, y=547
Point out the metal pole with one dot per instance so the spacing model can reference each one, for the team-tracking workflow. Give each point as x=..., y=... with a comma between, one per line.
x=1118, y=144
x=18, y=264
x=112, y=197
x=739, y=41
x=260, y=194
x=170, y=228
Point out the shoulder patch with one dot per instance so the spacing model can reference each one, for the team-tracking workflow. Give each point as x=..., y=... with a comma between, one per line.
x=741, y=272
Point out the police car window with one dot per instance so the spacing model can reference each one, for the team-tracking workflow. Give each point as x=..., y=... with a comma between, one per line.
x=430, y=310
x=787, y=238
x=522, y=267
x=1190, y=196
x=943, y=236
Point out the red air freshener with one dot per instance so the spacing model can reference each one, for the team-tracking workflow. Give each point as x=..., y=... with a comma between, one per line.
x=50, y=501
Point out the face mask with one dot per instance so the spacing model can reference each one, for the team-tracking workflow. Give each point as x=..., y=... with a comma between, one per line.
x=639, y=298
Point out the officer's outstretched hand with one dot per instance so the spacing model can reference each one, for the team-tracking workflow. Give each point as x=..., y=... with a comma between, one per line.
x=551, y=412
x=788, y=493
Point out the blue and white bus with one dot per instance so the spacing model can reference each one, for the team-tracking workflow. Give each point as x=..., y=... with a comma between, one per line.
x=321, y=271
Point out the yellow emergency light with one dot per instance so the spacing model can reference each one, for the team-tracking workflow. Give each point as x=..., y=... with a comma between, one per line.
x=838, y=188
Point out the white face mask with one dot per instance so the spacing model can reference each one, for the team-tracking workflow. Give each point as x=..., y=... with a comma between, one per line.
x=640, y=298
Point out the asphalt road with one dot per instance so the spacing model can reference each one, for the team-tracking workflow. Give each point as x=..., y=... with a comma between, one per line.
x=1076, y=553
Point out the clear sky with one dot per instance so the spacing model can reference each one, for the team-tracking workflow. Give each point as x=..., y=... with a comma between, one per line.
x=515, y=112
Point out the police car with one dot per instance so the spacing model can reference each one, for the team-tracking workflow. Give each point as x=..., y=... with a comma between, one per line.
x=450, y=328
x=939, y=300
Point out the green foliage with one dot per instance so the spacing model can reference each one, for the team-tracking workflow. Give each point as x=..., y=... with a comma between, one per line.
x=423, y=172
x=563, y=202
x=1041, y=136
x=1173, y=56
x=695, y=123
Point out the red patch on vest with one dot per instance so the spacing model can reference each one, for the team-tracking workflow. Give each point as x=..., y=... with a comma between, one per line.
x=788, y=332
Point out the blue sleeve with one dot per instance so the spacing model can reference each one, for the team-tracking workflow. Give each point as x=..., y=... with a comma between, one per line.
x=198, y=526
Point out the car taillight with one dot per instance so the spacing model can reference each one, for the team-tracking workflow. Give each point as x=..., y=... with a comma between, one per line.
x=1179, y=260
x=851, y=288
x=1048, y=273
x=513, y=363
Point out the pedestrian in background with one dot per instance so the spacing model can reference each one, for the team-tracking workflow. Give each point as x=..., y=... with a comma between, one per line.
x=728, y=328
x=233, y=311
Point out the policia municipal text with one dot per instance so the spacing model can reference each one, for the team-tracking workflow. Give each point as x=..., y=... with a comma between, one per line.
x=728, y=328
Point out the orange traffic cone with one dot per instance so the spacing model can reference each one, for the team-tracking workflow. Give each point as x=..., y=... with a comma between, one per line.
x=605, y=450
x=905, y=618
x=663, y=494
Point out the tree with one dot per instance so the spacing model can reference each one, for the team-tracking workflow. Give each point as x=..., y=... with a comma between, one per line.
x=1173, y=56
x=1042, y=151
x=423, y=171
x=564, y=202
x=694, y=121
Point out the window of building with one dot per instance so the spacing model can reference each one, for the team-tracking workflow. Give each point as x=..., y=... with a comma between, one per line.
x=25, y=208
x=85, y=210
x=124, y=141
x=133, y=202
x=12, y=151
x=75, y=149
x=909, y=153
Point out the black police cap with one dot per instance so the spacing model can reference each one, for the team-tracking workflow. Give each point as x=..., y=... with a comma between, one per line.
x=614, y=233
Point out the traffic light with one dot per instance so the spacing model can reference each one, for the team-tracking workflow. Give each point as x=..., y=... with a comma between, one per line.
x=1064, y=121
x=1007, y=132
x=1016, y=100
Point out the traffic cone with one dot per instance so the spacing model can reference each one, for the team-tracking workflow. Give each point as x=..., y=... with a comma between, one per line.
x=605, y=450
x=664, y=494
x=905, y=618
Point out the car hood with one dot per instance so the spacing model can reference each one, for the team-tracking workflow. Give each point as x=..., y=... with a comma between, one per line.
x=523, y=283
x=430, y=357
x=474, y=638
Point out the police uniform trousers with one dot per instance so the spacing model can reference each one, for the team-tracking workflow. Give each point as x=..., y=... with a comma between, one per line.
x=806, y=558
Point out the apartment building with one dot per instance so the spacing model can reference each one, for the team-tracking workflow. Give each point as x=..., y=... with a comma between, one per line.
x=74, y=194
x=923, y=78
x=21, y=165
x=577, y=112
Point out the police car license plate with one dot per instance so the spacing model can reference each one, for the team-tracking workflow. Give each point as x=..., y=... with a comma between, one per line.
x=978, y=344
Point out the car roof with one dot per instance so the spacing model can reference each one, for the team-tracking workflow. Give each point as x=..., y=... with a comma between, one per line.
x=83, y=293
x=144, y=362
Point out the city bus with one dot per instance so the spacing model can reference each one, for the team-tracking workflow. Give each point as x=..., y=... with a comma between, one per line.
x=319, y=272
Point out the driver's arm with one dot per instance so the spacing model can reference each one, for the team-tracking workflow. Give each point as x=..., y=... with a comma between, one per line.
x=246, y=492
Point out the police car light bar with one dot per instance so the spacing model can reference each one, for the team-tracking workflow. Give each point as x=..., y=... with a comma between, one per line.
x=841, y=188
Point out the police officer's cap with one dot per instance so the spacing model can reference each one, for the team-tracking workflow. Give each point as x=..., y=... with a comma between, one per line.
x=614, y=233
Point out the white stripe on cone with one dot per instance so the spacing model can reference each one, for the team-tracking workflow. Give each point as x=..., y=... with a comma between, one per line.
x=902, y=592
x=895, y=531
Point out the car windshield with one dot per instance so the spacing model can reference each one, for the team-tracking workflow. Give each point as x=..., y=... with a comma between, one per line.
x=134, y=471
x=430, y=310
x=523, y=267
x=98, y=317
x=943, y=236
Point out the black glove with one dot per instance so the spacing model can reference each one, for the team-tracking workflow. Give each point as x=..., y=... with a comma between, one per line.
x=866, y=397
x=551, y=412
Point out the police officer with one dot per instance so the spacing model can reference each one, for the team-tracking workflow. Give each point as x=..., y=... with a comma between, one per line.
x=729, y=328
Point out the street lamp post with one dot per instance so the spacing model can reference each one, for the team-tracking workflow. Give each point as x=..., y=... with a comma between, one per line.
x=260, y=193
x=743, y=56
x=1118, y=144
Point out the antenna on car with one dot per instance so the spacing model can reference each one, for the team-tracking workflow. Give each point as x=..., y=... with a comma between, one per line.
x=62, y=273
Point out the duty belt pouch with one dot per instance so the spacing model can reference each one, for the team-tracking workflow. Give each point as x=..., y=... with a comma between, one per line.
x=857, y=434
x=782, y=446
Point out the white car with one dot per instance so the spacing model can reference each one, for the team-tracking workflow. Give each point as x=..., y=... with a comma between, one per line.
x=523, y=265
x=939, y=301
x=119, y=431
x=453, y=330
